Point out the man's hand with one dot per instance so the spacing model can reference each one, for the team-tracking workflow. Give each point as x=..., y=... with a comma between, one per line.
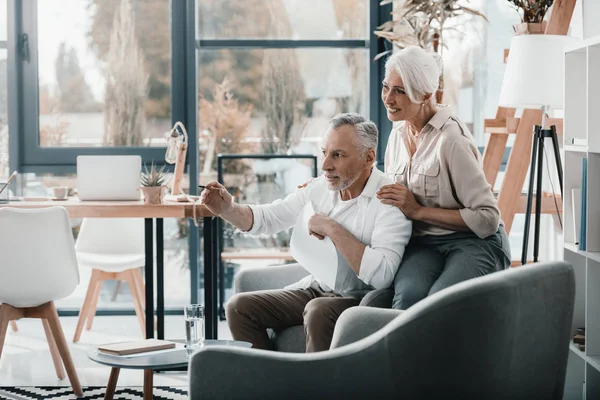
x=398, y=195
x=320, y=226
x=216, y=198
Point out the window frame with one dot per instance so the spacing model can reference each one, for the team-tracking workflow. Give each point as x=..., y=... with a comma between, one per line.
x=376, y=71
x=37, y=159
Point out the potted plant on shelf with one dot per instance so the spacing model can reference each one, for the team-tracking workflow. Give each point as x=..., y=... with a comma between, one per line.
x=532, y=14
x=153, y=182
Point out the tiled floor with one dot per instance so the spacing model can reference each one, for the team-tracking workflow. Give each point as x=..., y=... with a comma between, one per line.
x=26, y=359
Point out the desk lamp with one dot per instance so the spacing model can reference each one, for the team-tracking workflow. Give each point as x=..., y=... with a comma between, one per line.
x=177, y=143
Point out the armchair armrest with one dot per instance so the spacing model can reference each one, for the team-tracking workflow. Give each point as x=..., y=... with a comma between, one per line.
x=357, y=323
x=381, y=298
x=266, y=278
x=226, y=372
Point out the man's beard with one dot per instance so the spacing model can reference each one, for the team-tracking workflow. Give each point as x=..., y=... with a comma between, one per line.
x=343, y=184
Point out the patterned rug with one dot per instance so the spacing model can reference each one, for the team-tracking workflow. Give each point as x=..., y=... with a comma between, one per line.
x=90, y=392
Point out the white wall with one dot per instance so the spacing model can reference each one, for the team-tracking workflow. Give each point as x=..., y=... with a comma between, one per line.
x=591, y=15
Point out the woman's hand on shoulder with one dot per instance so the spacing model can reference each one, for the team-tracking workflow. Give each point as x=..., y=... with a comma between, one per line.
x=399, y=196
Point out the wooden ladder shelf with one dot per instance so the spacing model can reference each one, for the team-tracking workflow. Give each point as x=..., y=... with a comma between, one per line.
x=511, y=199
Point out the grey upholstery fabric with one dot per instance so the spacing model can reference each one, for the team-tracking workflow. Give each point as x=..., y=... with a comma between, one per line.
x=293, y=339
x=504, y=335
x=265, y=278
x=357, y=323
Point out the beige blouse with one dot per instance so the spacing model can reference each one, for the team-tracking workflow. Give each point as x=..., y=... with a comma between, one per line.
x=445, y=171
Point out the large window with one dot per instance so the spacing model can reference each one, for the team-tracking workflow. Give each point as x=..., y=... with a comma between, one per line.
x=97, y=74
x=111, y=76
x=104, y=72
x=272, y=73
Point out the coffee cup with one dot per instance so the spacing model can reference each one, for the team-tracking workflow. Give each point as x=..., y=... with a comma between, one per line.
x=60, y=192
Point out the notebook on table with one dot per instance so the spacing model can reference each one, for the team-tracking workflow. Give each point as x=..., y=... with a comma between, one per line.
x=136, y=347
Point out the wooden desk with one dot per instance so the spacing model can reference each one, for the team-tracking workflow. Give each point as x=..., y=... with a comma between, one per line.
x=116, y=209
x=137, y=209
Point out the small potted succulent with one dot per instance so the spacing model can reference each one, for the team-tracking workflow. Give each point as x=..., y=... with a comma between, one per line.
x=532, y=14
x=153, y=182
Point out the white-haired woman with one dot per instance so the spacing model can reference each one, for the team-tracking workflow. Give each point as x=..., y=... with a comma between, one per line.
x=440, y=185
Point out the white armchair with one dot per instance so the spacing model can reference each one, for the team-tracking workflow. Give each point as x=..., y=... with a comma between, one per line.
x=38, y=267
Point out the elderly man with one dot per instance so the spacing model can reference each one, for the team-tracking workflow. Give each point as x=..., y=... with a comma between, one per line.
x=369, y=236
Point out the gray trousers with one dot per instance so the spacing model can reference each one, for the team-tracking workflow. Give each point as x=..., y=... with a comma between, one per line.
x=432, y=263
x=250, y=314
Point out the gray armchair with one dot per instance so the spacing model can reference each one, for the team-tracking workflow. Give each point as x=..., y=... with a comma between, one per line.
x=293, y=339
x=504, y=335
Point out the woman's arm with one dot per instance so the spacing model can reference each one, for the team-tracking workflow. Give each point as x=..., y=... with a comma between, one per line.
x=400, y=196
x=448, y=219
x=480, y=212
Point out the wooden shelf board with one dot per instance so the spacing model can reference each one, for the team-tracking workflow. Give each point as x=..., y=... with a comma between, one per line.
x=257, y=255
x=572, y=247
x=576, y=149
x=594, y=361
x=509, y=126
x=549, y=206
x=593, y=255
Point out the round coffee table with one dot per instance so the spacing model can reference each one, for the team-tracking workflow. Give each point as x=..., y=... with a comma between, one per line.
x=150, y=362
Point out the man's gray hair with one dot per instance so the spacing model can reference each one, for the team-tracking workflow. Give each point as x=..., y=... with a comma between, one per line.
x=366, y=130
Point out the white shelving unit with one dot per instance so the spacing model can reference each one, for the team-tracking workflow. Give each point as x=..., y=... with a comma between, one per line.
x=582, y=121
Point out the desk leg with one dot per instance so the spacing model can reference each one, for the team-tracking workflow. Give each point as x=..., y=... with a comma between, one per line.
x=149, y=277
x=148, y=384
x=210, y=294
x=160, y=280
x=112, y=383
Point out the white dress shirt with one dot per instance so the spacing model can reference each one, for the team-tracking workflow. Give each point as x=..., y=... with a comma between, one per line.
x=383, y=229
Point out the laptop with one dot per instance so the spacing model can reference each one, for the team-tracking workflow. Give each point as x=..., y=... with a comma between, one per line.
x=109, y=177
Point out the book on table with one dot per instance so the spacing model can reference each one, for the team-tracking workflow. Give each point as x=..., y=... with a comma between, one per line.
x=136, y=347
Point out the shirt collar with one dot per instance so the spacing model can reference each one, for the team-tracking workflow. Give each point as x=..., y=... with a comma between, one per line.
x=372, y=183
x=440, y=117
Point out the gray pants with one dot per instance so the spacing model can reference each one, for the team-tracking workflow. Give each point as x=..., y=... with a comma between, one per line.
x=432, y=263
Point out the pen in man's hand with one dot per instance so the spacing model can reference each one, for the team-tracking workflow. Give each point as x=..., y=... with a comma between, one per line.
x=204, y=187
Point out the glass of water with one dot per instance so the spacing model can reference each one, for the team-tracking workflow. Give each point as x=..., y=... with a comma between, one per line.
x=194, y=326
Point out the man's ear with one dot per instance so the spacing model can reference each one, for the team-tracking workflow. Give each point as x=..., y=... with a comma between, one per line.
x=370, y=156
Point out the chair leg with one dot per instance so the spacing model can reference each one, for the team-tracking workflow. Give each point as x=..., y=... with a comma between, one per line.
x=85, y=307
x=63, y=349
x=58, y=366
x=8, y=314
x=137, y=302
x=92, y=310
x=4, y=319
x=116, y=291
x=13, y=326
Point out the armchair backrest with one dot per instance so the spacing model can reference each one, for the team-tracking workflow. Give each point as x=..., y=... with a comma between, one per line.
x=505, y=335
x=38, y=261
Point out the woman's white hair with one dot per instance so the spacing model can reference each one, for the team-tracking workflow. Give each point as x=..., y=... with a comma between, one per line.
x=419, y=70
